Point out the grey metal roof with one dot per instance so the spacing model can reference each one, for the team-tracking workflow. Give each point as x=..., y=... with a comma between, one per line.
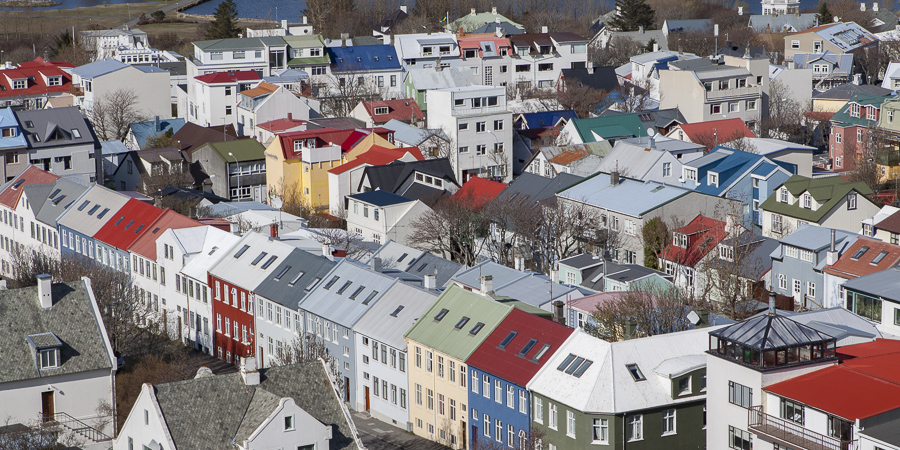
x=395, y=255
x=86, y=223
x=887, y=432
x=582, y=261
x=98, y=68
x=534, y=289
x=235, y=44
x=443, y=269
x=816, y=238
x=771, y=332
x=782, y=22
x=326, y=302
x=847, y=327
x=531, y=188
x=238, y=266
x=380, y=322
x=54, y=127
x=72, y=319
x=502, y=275
x=47, y=208
x=207, y=412
x=224, y=209
x=884, y=284
x=630, y=197
x=448, y=77
x=846, y=91
x=289, y=290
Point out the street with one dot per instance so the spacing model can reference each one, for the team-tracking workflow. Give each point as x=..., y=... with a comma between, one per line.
x=377, y=435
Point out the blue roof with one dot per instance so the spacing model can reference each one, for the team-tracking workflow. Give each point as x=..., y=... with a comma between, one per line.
x=113, y=147
x=144, y=130
x=363, y=58
x=98, y=68
x=763, y=169
x=8, y=119
x=380, y=198
x=547, y=118
x=730, y=165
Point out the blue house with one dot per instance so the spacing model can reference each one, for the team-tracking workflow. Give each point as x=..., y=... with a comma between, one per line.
x=500, y=369
x=739, y=175
x=12, y=145
x=139, y=132
x=81, y=221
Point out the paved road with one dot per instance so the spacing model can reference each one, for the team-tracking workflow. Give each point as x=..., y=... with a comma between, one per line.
x=166, y=9
x=377, y=435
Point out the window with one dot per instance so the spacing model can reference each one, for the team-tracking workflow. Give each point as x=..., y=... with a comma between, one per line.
x=49, y=358
x=487, y=425
x=667, y=169
x=570, y=424
x=739, y=439
x=498, y=430
x=684, y=386
x=498, y=125
x=428, y=361
x=498, y=392
x=635, y=428
x=419, y=395
x=480, y=127
x=552, y=418
x=538, y=410
x=485, y=386
x=510, y=396
x=795, y=44
x=740, y=395
x=600, y=431
x=635, y=372
x=811, y=289
x=288, y=423
x=837, y=139
x=668, y=419
x=792, y=411
x=715, y=109
x=851, y=200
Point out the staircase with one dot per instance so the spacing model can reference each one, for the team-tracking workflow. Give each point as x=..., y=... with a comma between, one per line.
x=79, y=427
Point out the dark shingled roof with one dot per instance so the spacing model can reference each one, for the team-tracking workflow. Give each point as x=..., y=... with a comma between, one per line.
x=211, y=411
x=380, y=198
x=603, y=78
x=72, y=319
x=391, y=177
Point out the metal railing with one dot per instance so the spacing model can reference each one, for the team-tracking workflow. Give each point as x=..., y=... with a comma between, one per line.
x=751, y=91
x=77, y=426
x=792, y=433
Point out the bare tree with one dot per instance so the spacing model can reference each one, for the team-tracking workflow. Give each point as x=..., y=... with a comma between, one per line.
x=451, y=230
x=785, y=116
x=733, y=275
x=564, y=229
x=37, y=435
x=309, y=348
x=652, y=310
x=584, y=100
x=113, y=113
x=618, y=51
x=346, y=89
x=633, y=96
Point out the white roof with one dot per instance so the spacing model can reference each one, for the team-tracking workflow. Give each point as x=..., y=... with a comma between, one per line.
x=765, y=146
x=395, y=255
x=607, y=385
x=240, y=270
x=378, y=322
x=885, y=212
x=408, y=45
x=212, y=245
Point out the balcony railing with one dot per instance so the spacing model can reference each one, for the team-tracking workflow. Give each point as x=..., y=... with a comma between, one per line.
x=791, y=433
x=76, y=426
x=752, y=91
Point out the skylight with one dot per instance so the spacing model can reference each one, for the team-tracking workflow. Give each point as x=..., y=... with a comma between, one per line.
x=635, y=372
x=138, y=229
x=578, y=360
x=258, y=258
x=283, y=271
x=582, y=368
x=402, y=257
x=478, y=326
x=102, y=213
x=422, y=267
x=80, y=208
x=269, y=262
x=297, y=278
x=441, y=315
x=540, y=353
x=56, y=200
x=397, y=311
x=370, y=297
x=572, y=365
x=93, y=210
x=21, y=182
x=462, y=322
x=344, y=287
x=527, y=347
x=241, y=251
x=357, y=292
x=129, y=224
x=55, y=193
x=566, y=362
x=879, y=257
x=331, y=282
x=313, y=284
x=859, y=253
x=121, y=218
x=509, y=337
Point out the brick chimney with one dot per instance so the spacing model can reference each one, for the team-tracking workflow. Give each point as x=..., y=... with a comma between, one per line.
x=273, y=230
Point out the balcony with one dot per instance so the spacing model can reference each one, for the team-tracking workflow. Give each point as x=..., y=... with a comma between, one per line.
x=790, y=433
x=458, y=111
x=751, y=91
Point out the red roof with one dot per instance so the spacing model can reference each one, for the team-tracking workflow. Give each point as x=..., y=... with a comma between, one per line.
x=478, y=192
x=279, y=125
x=228, y=77
x=10, y=196
x=869, y=383
x=506, y=363
x=404, y=110
x=725, y=128
x=130, y=221
x=703, y=235
x=848, y=267
x=34, y=72
x=378, y=156
x=145, y=245
x=326, y=136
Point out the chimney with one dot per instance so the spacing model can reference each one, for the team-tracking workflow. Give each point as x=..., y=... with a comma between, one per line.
x=249, y=371
x=630, y=328
x=327, y=252
x=430, y=281
x=655, y=47
x=305, y=20
x=862, y=6
x=344, y=37
x=772, y=303
x=472, y=12
x=554, y=275
x=487, y=285
x=493, y=10
x=740, y=10
x=590, y=67
x=499, y=32
x=653, y=142
x=404, y=9
x=874, y=6
x=614, y=177
x=273, y=230
x=45, y=286
x=704, y=318
x=831, y=256
x=558, y=316
x=290, y=116
x=284, y=24
x=641, y=29
x=156, y=124
x=460, y=32
x=857, y=79
x=376, y=265
x=544, y=29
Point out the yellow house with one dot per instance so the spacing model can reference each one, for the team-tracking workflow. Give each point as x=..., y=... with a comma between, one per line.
x=300, y=161
x=439, y=346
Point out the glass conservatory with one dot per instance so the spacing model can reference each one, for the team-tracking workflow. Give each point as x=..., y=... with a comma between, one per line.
x=770, y=341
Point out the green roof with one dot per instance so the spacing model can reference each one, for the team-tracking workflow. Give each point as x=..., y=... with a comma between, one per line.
x=231, y=44
x=471, y=22
x=309, y=61
x=612, y=126
x=443, y=335
x=313, y=40
x=843, y=116
x=827, y=190
x=243, y=150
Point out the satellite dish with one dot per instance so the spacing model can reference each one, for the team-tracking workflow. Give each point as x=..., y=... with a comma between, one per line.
x=693, y=317
x=651, y=132
x=277, y=202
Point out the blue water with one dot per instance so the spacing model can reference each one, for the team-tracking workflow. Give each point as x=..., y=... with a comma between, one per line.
x=290, y=10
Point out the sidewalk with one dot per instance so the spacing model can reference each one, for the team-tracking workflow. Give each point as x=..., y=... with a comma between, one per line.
x=377, y=435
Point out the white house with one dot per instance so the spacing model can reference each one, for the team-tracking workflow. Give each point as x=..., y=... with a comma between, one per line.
x=380, y=215
x=212, y=98
x=101, y=80
x=58, y=361
x=267, y=102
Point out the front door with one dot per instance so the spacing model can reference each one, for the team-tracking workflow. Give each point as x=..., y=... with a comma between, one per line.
x=346, y=389
x=474, y=437
x=464, y=442
x=367, y=399
x=47, y=412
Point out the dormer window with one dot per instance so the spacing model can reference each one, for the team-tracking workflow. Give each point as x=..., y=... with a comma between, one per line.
x=426, y=51
x=854, y=110
x=54, y=81
x=783, y=195
x=20, y=84
x=726, y=252
x=381, y=110
x=46, y=347
x=870, y=113
x=713, y=179
x=690, y=174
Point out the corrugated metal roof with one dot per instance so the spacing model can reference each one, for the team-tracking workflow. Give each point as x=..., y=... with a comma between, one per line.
x=443, y=336
x=205, y=246
x=399, y=309
x=337, y=301
x=131, y=221
x=48, y=211
x=98, y=68
x=146, y=244
x=237, y=265
x=288, y=284
x=89, y=224
x=630, y=197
